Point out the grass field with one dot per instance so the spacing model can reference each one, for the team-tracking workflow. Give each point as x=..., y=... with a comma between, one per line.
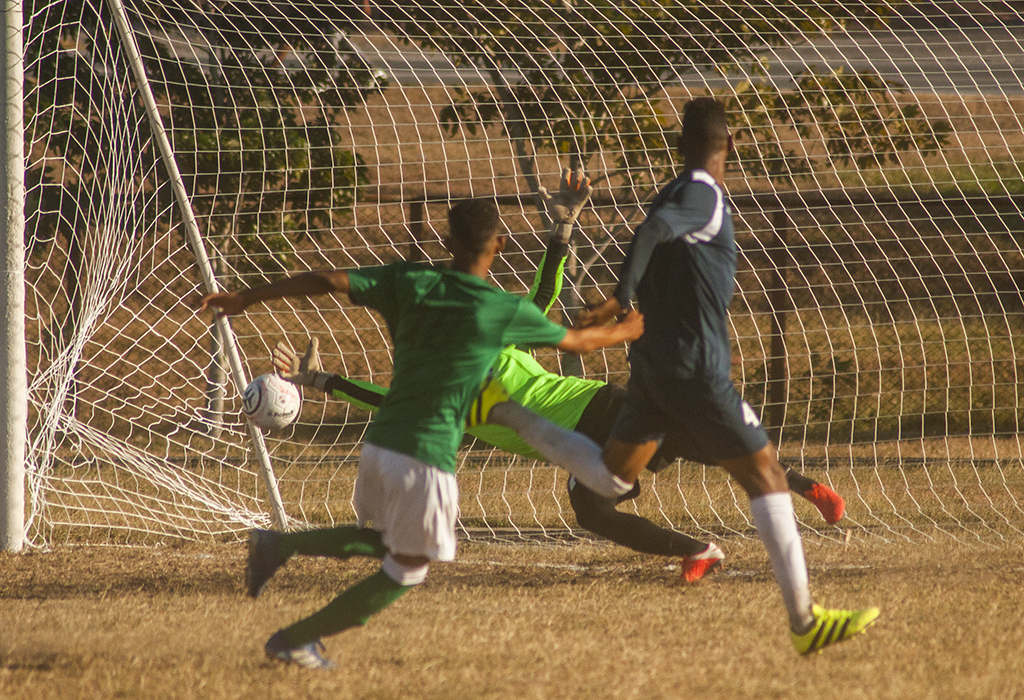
x=587, y=621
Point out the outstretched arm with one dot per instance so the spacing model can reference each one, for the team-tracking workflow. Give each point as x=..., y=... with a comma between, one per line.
x=305, y=284
x=681, y=212
x=600, y=314
x=563, y=209
x=306, y=371
x=581, y=340
x=648, y=235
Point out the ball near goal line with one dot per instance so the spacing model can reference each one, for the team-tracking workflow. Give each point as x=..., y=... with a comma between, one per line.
x=271, y=402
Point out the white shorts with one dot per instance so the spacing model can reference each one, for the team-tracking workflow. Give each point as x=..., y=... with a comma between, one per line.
x=413, y=505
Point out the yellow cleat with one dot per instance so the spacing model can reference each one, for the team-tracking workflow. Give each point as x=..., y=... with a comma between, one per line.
x=491, y=394
x=832, y=627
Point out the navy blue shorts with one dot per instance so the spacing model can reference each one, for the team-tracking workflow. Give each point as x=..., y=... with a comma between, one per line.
x=706, y=415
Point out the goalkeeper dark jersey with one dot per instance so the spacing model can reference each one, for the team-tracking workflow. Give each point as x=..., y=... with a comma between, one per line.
x=681, y=266
x=447, y=328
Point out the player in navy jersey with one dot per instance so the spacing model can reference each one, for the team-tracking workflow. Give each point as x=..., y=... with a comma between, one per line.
x=681, y=267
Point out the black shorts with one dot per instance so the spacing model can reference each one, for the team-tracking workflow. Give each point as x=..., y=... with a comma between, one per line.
x=704, y=420
x=600, y=415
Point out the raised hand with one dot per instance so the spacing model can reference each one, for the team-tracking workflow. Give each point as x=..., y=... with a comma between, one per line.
x=573, y=192
x=304, y=371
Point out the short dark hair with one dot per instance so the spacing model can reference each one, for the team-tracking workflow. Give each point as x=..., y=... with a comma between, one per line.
x=705, y=129
x=474, y=223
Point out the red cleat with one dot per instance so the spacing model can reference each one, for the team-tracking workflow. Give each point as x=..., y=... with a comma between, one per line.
x=696, y=566
x=829, y=503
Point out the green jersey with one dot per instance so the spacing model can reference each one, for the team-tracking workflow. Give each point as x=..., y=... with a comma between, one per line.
x=447, y=329
x=561, y=400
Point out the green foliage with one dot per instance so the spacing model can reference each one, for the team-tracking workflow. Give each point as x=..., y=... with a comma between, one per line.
x=579, y=78
x=588, y=77
x=862, y=120
x=253, y=119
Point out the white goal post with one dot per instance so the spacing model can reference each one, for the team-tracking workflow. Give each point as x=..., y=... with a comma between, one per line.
x=172, y=147
x=13, y=423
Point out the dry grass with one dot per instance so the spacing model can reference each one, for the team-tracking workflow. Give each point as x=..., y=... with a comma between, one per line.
x=590, y=621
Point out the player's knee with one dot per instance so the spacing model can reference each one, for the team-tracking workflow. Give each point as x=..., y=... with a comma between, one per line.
x=626, y=461
x=406, y=571
x=757, y=477
x=630, y=495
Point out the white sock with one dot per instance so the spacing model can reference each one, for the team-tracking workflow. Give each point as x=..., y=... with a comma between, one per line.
x=776, y=525
x=574, y=451
x=403, y=574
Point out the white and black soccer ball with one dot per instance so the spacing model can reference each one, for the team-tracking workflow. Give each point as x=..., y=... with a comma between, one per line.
x=271, y=402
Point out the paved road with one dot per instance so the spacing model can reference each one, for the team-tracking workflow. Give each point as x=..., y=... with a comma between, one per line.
x=970, y=61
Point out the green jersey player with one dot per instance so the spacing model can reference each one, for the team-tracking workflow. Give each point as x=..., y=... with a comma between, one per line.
x=448, y=326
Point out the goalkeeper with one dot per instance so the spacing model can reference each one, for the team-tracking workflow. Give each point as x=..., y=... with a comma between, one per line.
x=586, y=406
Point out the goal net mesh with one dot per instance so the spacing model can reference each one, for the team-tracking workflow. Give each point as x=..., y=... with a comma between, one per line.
x=876, y=189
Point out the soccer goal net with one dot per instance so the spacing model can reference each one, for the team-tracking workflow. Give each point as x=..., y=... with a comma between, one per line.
x=175, y=145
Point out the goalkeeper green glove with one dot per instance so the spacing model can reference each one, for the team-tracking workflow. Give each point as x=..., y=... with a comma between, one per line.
x=573, y=192
x=304, y=371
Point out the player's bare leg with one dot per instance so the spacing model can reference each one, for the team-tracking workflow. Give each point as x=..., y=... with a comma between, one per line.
x=759, y=473
x=628, y=460
x=764, y=480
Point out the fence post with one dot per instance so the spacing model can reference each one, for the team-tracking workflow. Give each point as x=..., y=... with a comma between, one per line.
x=778, y=302
x=416, y=218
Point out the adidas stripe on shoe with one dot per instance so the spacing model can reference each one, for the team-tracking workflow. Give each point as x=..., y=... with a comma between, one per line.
x=832, y=627
x=305, y=655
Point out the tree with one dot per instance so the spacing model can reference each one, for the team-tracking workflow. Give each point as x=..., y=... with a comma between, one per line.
x=863, y=121
x=252, y=108
x=257, y=124
x=587, y=79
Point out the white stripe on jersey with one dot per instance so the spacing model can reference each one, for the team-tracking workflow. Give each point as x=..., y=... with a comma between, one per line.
x=715, y=224
x=693, y=226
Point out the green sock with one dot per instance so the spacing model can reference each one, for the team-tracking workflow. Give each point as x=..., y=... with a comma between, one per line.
x=350, y=609
x=338, y=542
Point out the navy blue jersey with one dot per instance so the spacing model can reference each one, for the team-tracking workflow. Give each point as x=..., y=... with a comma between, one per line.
x=681, y=267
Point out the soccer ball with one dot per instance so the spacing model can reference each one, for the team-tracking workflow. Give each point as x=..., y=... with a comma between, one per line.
x=271, y=402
